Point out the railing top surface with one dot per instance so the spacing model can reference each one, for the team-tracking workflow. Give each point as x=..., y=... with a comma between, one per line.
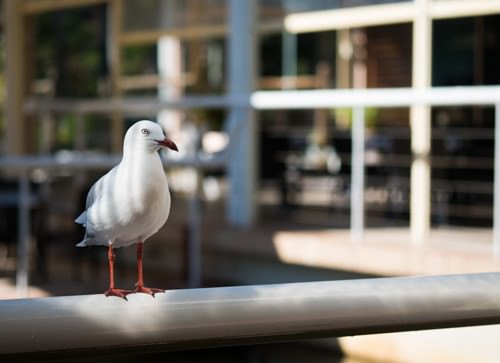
x=186, y=319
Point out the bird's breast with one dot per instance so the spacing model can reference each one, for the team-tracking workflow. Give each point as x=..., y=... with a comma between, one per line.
x=132, y=202
x=149, y=193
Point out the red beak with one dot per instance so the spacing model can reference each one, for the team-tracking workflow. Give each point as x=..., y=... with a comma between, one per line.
x=168, y=144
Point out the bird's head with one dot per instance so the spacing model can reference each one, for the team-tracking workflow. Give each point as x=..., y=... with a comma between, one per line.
x=147, y=135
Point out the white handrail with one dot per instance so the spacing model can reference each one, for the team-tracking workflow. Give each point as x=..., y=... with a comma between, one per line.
x=293, y=99
x=188, y=319
x=377, y=97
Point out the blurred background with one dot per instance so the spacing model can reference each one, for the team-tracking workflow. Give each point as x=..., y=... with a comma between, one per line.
x=263, y=191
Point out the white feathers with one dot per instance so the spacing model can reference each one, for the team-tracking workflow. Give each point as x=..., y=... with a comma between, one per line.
x=132, y=201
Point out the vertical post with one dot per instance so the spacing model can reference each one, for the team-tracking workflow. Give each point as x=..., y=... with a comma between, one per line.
x=357, y=174
x=23, y=235
x=47, y=132
x=80, y=144
x=420, y=125
x=194, y=242
x=171, y=86
x=16, y=77
x=80, y=140
x=496, y=186
x=241, y=126
x=115, y=17
x=289, y=59
x=170, y=70
x=344, y=55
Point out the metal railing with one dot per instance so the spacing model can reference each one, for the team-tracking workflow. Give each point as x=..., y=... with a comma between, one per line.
x=359, y=99
x=187, y=319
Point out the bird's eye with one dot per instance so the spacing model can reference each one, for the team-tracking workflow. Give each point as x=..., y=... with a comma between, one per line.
x=145, y=132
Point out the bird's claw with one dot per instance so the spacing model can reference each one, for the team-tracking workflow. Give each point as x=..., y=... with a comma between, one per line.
x=148, y=290
x=121, y=293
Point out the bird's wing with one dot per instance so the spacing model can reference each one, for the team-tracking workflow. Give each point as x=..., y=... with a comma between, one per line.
x=94, y=194
x=91, y=197
x=82, y=218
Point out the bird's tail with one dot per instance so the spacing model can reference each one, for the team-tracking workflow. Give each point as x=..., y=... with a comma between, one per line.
x=87, y=241
x=83, y=243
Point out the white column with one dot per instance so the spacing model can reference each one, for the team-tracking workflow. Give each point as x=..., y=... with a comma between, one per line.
x=242, y=170
x=358, y=174
x=344, y=56
x=359, y=80
x=194, y=236
x=420, y=124
x=170, y=88
x=170, y=71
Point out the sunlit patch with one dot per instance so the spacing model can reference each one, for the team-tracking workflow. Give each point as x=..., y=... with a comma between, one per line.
x=8, y=290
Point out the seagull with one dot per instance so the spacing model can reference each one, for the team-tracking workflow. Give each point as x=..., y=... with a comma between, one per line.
x=131, y=202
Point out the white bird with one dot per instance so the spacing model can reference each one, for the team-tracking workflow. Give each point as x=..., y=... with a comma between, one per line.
x=131, y=202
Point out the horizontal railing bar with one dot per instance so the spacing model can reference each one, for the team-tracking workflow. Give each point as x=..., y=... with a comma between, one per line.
x=267, y=100
x=133, y=106
x=188, y=319
x=19, y=163
x=383, y=14
x=380, y=97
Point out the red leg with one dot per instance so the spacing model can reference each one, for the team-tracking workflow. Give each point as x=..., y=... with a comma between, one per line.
x=113, y=291
x=139, y=286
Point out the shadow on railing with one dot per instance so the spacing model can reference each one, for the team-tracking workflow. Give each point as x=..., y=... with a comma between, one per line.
x=188, y=319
